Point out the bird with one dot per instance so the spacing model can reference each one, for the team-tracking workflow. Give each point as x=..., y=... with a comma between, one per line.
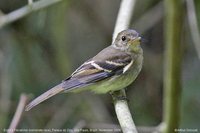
x=112, y=69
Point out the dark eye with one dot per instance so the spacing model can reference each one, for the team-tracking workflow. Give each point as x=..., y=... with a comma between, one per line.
x=123, y=38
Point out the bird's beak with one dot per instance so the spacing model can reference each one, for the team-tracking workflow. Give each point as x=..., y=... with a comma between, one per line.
x=136, y=40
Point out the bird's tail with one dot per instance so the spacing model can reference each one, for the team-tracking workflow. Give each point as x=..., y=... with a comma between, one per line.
x=53, y=91
x=65, y=86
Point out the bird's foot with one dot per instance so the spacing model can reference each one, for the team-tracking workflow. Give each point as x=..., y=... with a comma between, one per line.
x=117, y=97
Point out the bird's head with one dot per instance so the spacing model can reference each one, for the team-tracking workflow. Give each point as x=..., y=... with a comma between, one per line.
x=128, y=40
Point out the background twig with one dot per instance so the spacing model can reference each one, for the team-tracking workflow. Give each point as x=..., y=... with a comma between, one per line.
x=17, y=14
x=18, y=113
x=194, y=29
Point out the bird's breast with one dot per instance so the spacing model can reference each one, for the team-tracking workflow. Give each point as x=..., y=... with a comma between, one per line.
x=120, y=81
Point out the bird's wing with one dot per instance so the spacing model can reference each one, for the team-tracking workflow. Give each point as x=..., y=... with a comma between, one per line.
x=96, y=70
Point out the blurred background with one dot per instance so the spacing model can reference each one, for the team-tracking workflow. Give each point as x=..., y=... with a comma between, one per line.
x=41, y=49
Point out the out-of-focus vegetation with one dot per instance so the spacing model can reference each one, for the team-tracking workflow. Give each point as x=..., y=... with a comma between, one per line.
x=43, y=48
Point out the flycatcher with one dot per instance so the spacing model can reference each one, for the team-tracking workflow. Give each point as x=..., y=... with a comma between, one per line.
x=112, y=69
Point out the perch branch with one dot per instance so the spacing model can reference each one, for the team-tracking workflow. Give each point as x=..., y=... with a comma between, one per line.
x=124, y=16
x=123, y=113
x=22, y=12
x=18, y=113
x=121, y=106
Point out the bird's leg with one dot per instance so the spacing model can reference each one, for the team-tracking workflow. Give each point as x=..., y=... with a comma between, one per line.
x=116, y=95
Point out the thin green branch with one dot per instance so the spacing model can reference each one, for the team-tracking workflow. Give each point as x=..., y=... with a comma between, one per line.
x=173, y=59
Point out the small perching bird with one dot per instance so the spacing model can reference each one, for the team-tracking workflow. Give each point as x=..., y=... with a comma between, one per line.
x=112, y=69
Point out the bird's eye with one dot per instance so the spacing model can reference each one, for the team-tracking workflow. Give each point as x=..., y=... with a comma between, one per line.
x=123, y=38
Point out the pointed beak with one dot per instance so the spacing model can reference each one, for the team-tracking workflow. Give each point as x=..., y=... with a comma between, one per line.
x=136, y=40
